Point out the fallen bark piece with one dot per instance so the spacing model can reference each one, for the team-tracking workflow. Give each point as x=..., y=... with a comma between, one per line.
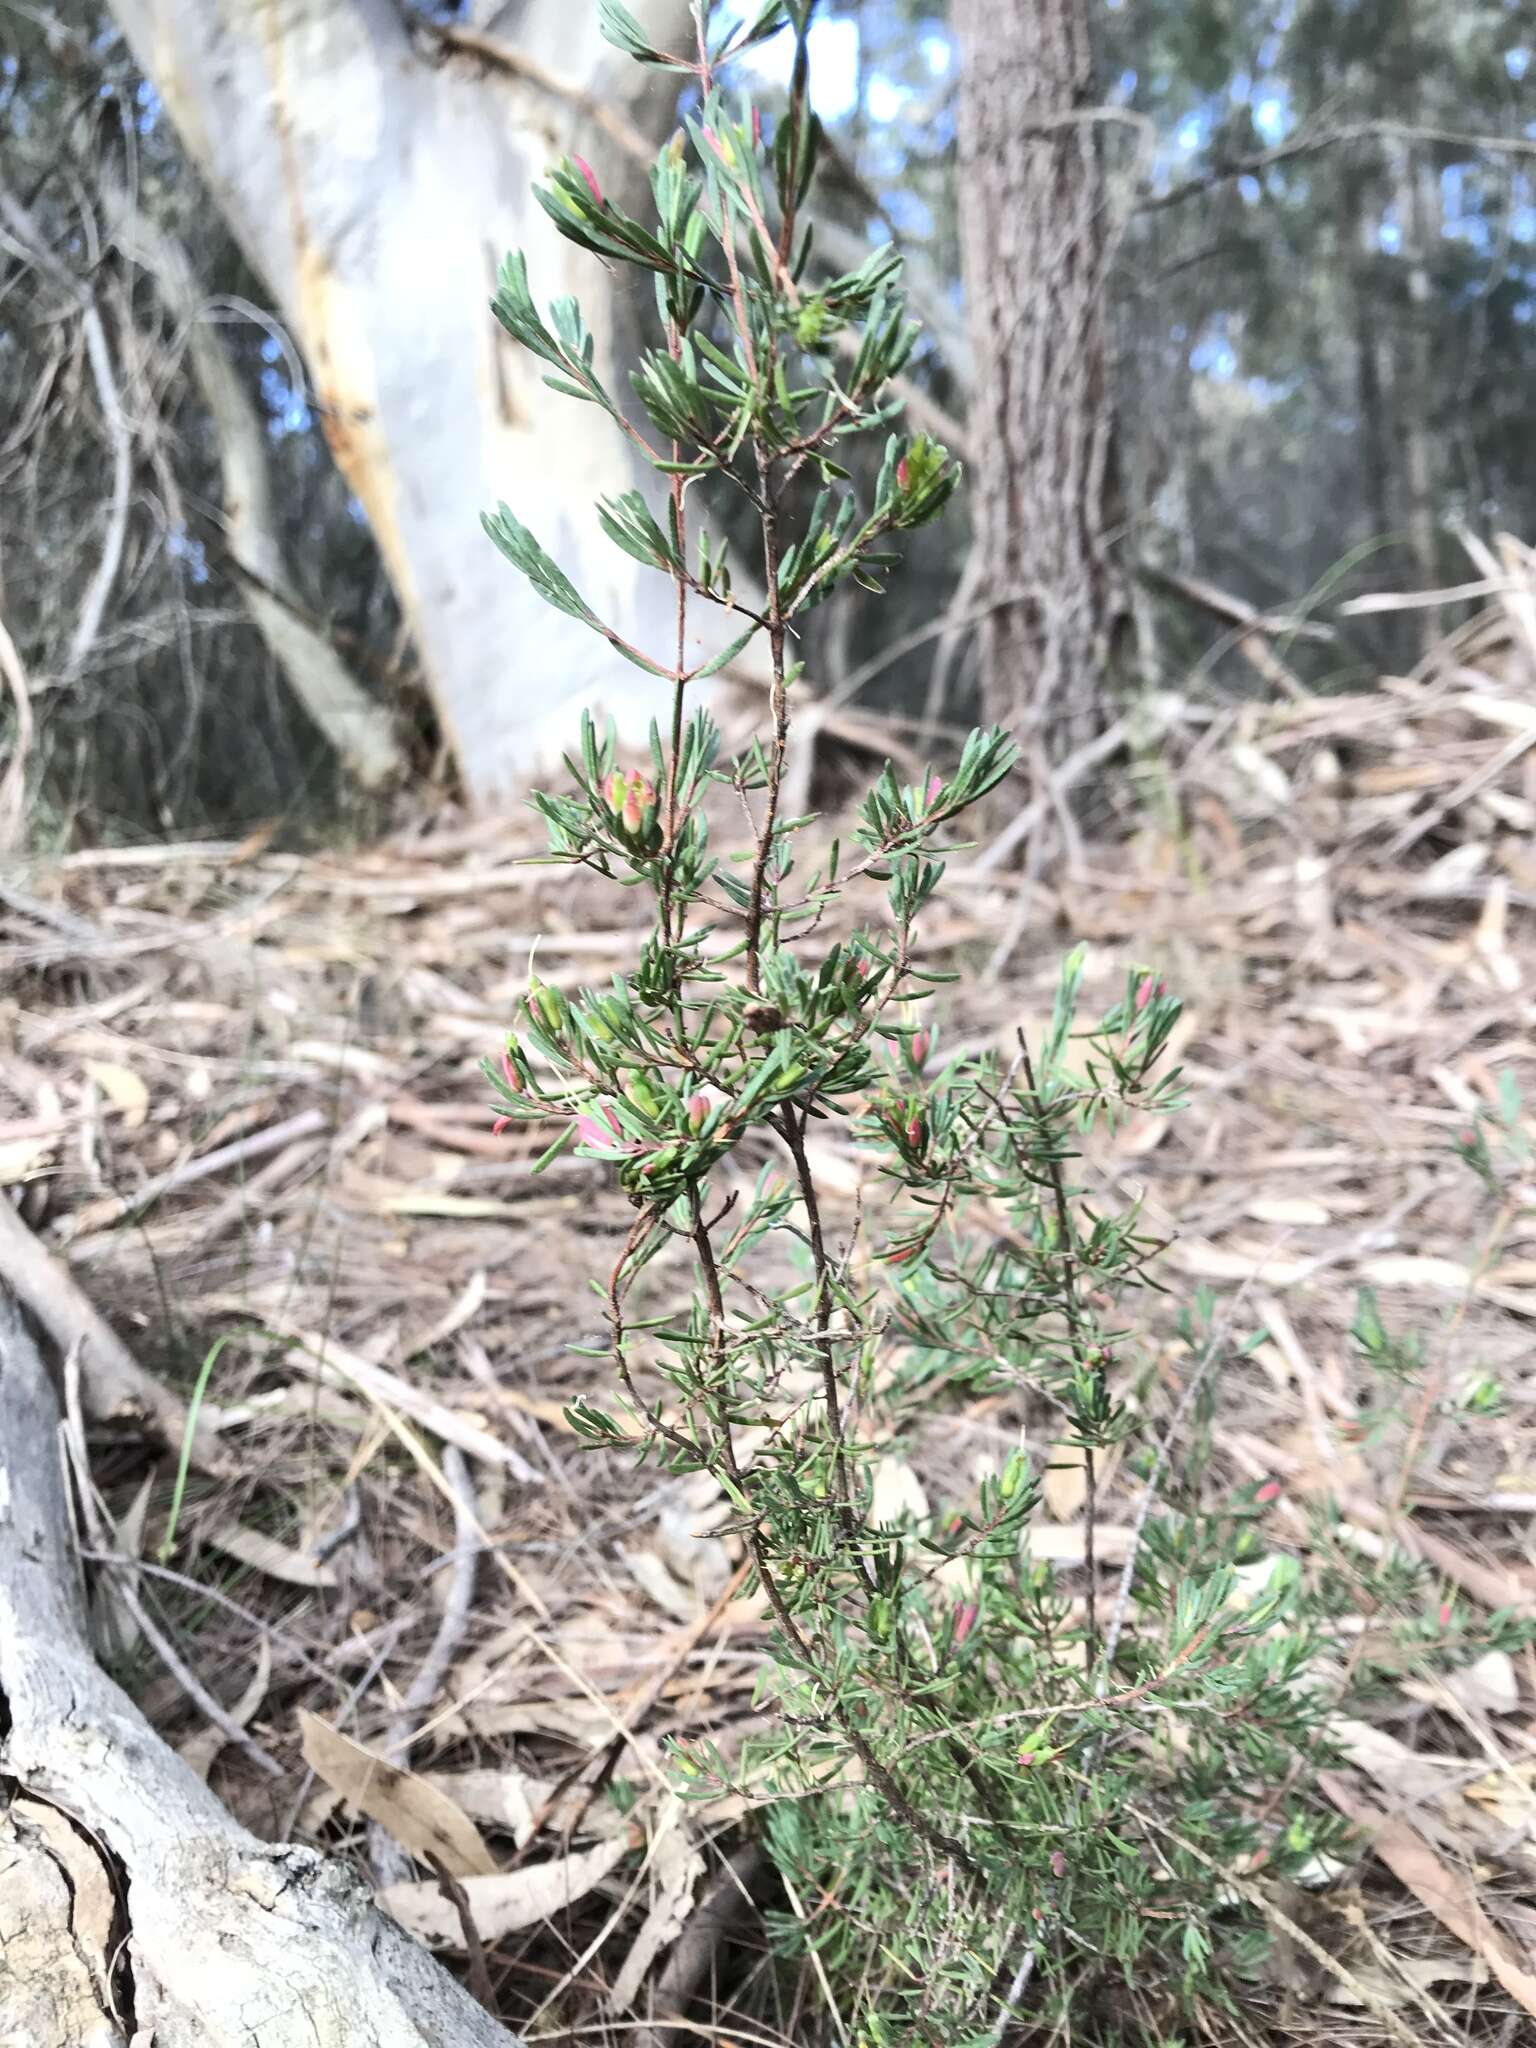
x=226, y=1940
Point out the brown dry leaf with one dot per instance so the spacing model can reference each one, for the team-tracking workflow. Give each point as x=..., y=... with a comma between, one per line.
x=420, y=1817
x=266, y=1554
x=123, y=1089
x=502, y=1904
x=1451, y=1895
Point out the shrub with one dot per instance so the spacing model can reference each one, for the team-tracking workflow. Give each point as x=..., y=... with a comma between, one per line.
x=988, y=1796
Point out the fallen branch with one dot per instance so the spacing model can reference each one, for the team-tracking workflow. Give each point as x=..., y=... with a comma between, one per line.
x=116, y=1387
x=223, y=1940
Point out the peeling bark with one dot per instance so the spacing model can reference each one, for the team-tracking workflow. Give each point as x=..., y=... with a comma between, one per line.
x=375, y=187
x=217, y=1940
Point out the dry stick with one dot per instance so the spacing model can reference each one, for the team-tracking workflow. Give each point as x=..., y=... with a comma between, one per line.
x=879, y=1775
x=13, y=785
x=1074, y=1327
x=117, y=1388
x=104, y=1537
x=390, y=1863
x=1186, y=1401
x=305, y=1125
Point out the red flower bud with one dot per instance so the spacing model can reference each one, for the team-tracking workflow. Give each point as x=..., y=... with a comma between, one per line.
x=900, y=1255
x=965, y=1621
x=914, y=1132
x=903, y=474
x=590, y=175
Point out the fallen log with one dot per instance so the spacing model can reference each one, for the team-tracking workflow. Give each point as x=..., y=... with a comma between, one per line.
x=133, y=1907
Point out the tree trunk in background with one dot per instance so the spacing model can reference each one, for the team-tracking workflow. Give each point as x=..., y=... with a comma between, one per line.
x=375, y=188
x=1034, y=240
x=1417, y=207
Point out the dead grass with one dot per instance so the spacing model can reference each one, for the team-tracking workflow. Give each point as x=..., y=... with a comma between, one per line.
x=1342, y=889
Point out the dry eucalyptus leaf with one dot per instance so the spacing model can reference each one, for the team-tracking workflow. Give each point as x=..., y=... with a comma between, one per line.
x=422, y=1819
x=1408, y=1976
x=652, y=1576
x=1065, y=1486
x=122, y=1088
x=1294, y=1209
x=266, y=1554
x=676, y=1865
x=502, y=1904
x=1490, y=1686
x=898, y=1492
x=1450, y=1894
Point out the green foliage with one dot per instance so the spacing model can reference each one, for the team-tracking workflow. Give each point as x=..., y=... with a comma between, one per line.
x=1007, y=1794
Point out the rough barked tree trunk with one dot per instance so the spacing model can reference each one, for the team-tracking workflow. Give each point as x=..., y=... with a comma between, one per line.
x=1035, y=247
x=375, y=182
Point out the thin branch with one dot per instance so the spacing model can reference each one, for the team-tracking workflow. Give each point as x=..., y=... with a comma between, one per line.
x=1306, y=144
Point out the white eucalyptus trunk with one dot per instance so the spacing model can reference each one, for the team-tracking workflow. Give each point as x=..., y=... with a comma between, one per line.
x=375, y=186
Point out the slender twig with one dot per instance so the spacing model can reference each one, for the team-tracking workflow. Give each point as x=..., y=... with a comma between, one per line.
x=1073, y=1312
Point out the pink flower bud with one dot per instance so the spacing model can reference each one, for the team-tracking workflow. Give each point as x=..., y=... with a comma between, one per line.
x=914, y=1132
x=757, y=129
x=903, y=474
x=1144, y=994
x=922, y=1045
x=514, y=1079
x=1468, y=1141
x=500, y=1125
x=935, y=784
x=632, y=814
x=965, y=1621
x=1445, y=1613
x=1058, y=1863
x=590, y=175
x=1269, y=1491
x=698, y=1111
